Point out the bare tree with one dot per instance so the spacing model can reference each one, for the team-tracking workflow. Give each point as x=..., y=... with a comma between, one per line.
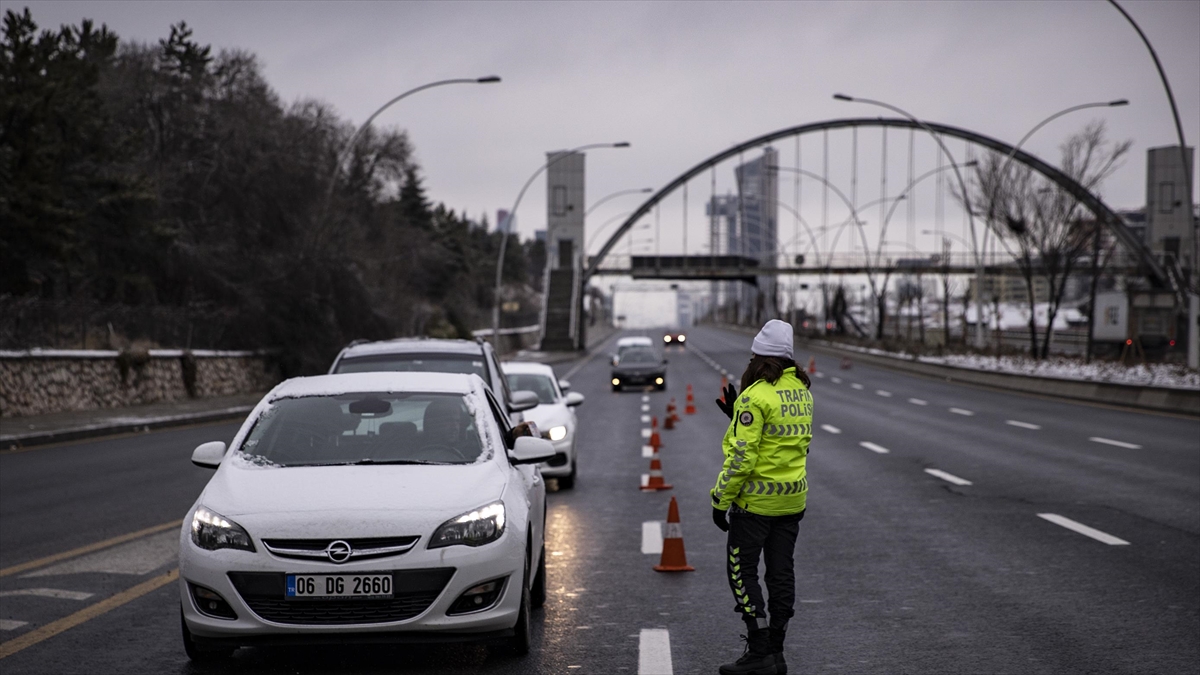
x=1045, y=229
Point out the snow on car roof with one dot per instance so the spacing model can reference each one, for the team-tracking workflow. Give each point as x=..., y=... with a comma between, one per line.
x=634, y=341
x=527, y=367
x=332, y=385
x=414, y=345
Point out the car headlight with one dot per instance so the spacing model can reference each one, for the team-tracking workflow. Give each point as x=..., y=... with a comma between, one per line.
x=616, y=380
x=682, y=338
x=666, y=338
x=557, y=433
x=212, y=531
x=476, y=528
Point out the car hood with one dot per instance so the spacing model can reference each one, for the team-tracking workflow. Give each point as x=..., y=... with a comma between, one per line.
x=637, y=367
x=439, y=491
x=549, y=415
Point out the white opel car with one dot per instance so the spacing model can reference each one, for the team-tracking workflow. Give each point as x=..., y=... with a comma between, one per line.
x=554, y=415
x=366, y=507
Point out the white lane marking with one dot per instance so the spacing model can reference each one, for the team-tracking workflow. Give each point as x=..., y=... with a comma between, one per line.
x=10, y=624
x=645, y=419
x=831, y=429
x=918, y=401
x=646, y=433
x=1119, y=444
x=645, y=407
x=645, y=399
x=647, y=451
x=49, y=593
x=652, y=536
x=856, y=386
x=1023, y=425
x=141, y=556
x=835, y=380
x=1083, y=529
x=645, y=479
x=885, y=394
x=819, y=374
x=960, y=411
x=875, y=448
x=654, y=652
x=949, y=477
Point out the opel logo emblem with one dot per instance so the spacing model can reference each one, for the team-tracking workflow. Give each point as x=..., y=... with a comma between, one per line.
x=338, y=551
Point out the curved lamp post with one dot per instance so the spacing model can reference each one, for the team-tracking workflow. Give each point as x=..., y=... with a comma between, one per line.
x=504, y=234
x=341, y=159
x=979, y=343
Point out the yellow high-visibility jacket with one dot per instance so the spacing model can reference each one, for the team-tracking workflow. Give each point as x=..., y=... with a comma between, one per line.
x=766, y=449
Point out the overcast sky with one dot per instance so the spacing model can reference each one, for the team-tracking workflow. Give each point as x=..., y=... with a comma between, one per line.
x=684, y=80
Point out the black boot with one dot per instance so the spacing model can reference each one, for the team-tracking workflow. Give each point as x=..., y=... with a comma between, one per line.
x=777, y=635
x=757, y=660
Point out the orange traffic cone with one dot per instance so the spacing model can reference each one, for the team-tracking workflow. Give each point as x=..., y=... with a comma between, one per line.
x=655, y=439
x=669, y=420
x=691, y=402
x=672, y=415
x=673, y=558
x=655, y=481
x=812, y=364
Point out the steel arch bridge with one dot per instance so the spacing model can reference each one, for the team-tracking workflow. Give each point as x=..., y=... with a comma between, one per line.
x=1153, y=270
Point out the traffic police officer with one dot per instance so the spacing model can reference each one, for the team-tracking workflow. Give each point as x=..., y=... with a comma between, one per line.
x=763, y=486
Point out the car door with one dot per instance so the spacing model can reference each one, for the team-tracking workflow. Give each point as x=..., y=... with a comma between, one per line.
x=527, y=475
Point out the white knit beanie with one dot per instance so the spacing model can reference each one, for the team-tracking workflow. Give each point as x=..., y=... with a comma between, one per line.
x=775, y=339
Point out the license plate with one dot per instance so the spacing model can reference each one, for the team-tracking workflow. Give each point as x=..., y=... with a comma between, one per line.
x=303, y=586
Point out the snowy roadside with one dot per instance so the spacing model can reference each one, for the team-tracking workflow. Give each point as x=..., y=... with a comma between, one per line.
x=1165, y=375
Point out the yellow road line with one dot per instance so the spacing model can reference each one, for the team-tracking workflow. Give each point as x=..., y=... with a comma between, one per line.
x=120, y=539
x=86, y=614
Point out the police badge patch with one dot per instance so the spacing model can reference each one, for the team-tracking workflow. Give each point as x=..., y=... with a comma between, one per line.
x=746, y=418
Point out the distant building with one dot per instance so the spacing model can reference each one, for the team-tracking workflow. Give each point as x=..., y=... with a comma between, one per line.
x=564, y=209
x=539, y=235
x=503, y=223
x=1170, y=222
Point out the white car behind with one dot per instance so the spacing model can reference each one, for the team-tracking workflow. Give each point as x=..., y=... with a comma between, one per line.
x=366, y=507
x=554, y=416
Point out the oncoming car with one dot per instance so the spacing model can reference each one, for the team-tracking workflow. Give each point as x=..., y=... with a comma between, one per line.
x=554, y=416
x=640, y=367
x=678, y=338
x=366, y=507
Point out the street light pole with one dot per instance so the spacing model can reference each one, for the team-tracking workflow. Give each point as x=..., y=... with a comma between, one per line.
x=341, y=159
x=504, y=227
x=979, y=343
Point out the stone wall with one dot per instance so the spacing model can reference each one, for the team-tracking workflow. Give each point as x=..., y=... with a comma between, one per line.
x=36, y=382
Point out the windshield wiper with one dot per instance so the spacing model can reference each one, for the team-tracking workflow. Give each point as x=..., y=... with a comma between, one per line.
x=388, y=461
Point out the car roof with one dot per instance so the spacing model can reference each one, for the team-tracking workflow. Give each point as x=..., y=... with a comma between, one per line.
x=637, y=341
x=412, y=346
x=350, y=383
x=527, y=367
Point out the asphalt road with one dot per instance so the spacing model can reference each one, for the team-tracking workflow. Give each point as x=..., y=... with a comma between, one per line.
x=900, y=570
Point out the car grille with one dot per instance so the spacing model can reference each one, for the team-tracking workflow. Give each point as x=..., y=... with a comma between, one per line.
x=415, y=591
x=361, y=549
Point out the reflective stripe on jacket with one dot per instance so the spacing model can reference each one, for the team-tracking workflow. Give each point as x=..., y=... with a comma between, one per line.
x=766, y=449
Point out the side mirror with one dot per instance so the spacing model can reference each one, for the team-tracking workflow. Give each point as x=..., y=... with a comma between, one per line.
x=614, y=359
x=564, y=385
x=209, y=455
x=574, y=398
x=529, y=450
x=522, y=400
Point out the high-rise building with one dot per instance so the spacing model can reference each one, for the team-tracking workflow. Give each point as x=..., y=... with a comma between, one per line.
x=564, y=209
x=503, y=223
x=1170, y=221
x=758, y=218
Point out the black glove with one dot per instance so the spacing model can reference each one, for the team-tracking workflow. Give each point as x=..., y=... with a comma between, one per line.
x=726, y=405
x=720, y=520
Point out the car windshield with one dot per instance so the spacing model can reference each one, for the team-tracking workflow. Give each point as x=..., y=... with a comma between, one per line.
x=541, y=385
x=392, y=428
x=639, y=356
x=467, y=364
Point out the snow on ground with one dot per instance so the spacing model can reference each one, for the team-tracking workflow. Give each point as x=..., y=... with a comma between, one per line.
x=1170, y=375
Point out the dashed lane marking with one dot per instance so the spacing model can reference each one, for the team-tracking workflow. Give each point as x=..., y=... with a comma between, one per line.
x=75, y=552
x=11, y=624
x=1023, y=425
x=646, y=433
x=48, y=593
x=918, y=401
x=856, y=386
x=961, y=411
x=645, y=407
x=652, y=537
x=86, y=614
x=645, y=399
x=875, y=448
x=654, y=652
x=948, y=477
x=831, y=429
x=819, y=374
x=835, y=380
x=885, y=394
x=1083, y=529
x=647, y=451
x=1119, y=444
x=645, y=419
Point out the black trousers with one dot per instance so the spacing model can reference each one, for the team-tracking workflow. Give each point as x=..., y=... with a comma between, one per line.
x=772, y=538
